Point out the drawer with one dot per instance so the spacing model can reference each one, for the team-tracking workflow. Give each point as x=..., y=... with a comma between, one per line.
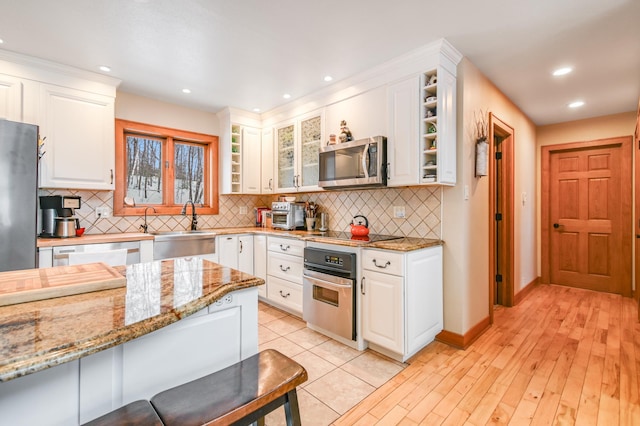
x=285, y=293
x=286, y=245
x=386, y=262
x=285, y=266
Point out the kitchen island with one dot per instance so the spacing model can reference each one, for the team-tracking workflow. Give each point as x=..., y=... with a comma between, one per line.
x=70, y=359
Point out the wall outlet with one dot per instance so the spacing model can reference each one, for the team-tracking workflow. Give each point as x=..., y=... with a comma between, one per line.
x=103, y=212
x=243, y=209
x=398, y=212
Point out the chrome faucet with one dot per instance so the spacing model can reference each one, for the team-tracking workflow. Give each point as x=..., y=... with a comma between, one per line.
x=194, y=216
x=144, y=226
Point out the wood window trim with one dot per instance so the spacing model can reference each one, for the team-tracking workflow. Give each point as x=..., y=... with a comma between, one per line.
x=210, y=205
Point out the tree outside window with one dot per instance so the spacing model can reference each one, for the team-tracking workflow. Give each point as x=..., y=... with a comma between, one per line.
x=164, y=168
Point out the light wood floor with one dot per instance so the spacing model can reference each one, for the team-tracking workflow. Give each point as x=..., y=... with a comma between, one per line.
x=562, y=356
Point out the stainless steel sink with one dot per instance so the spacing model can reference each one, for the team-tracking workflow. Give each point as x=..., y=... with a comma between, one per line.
x=170, y=244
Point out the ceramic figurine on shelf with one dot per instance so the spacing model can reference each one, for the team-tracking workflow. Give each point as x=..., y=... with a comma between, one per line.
x=345, y=133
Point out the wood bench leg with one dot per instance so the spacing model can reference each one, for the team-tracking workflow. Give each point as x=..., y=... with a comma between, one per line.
x=291, y=409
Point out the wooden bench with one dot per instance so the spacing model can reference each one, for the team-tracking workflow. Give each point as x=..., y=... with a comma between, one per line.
x=136, y=413
x=240, y=394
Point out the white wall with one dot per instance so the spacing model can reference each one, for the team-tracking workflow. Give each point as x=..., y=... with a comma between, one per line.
x=150, y=111
x=465, y=223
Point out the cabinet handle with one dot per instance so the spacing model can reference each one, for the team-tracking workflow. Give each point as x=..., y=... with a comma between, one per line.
x=388, y=171
x=284, y=269
x=362, y=286
x=381, y=266
x=111, y=172
x=271, y=184
x=284, y=248
x=240, y=246
x=284, y=295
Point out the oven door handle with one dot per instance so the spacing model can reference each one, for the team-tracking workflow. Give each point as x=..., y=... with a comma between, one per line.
x=328, y=284
x=331, y=280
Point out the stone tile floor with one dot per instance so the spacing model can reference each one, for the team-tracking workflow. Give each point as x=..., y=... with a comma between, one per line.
x=339, y=376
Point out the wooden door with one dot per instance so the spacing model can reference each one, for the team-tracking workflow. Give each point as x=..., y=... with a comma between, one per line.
x=586, y=220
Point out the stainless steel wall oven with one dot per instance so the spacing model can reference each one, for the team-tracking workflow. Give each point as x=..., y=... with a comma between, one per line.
x=328, y=291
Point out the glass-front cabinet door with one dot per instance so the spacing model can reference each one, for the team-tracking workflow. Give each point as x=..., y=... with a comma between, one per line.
x=285, y=142
x=297, y=145
x=310, y=137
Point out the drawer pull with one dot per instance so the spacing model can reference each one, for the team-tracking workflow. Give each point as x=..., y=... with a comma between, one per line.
x=381, y=266
x=362, y=286
x=284, y=295
x=283, y=269
x=284, y=248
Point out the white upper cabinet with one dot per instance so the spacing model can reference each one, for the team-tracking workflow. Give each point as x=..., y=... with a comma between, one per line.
x=246, y=154
x=411, y=100
x=251, y=160
x=79, y=127
x=402, y=142
x=74, y=110
x=10, y=98
x=297, y=145
x=438, y=127
x=365, y=114
x=266, y=168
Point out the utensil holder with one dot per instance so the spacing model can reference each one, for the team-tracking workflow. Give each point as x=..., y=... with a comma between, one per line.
x=311, y=223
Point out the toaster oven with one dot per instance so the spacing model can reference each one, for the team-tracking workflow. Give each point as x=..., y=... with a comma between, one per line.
x=287, y=215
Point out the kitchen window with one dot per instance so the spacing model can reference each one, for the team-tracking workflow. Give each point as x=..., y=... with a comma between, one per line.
x=164, y=168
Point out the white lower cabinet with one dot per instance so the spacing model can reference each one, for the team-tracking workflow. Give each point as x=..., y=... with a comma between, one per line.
x=285, y=293
x=236, y=251
x=382, y=313
x=137, y=252
x=260, y=262
x=401, y=300
x=284, y=273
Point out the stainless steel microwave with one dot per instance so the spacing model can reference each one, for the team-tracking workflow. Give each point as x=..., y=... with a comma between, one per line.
x=358, y=163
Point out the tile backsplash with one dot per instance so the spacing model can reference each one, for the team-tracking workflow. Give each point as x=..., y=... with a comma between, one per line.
x=422, y=211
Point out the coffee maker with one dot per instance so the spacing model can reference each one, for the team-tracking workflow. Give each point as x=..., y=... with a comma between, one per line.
x=57, y=206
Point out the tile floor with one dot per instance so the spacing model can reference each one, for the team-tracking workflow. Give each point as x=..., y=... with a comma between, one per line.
x=339, y=376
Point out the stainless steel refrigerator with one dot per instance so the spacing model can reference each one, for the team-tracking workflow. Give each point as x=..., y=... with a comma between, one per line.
x=18, y=195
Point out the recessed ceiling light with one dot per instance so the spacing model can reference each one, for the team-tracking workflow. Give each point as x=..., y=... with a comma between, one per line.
x=256, y=110
x=286, y=96
x=105, y=68
x=576, y=104
x=562, y=71
x=186, y=91
x=1, y=41
x=328, y=78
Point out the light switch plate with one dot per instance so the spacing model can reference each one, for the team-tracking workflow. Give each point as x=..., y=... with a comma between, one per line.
x=103, y=212
x=399, y=212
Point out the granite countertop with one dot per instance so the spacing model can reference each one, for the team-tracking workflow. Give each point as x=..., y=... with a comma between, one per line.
x=93, y=239
x=399, y=244
x=38, y=335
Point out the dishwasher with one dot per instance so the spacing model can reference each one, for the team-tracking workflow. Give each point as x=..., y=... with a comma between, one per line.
x=61, y=253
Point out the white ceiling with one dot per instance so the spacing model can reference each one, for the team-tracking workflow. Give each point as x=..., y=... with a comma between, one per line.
x=248, y=53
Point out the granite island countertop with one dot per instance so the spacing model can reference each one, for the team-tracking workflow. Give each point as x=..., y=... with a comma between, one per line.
x=37, y=335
